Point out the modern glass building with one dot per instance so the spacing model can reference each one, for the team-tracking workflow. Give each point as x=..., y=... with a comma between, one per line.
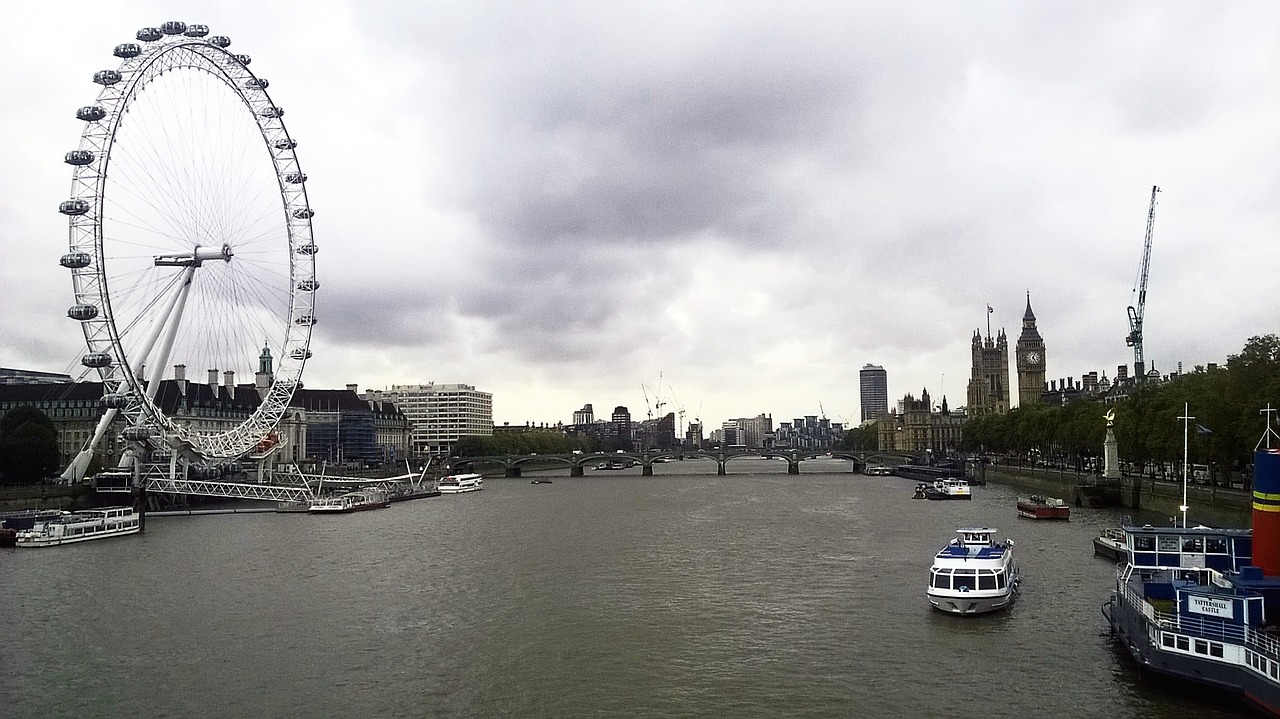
x=873, y=391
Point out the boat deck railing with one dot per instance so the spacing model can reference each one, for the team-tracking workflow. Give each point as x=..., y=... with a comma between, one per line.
x=1205, y=628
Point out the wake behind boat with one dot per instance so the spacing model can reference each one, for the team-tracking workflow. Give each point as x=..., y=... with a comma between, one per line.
x=459, y=483
x=80, y=526
x=974, y=573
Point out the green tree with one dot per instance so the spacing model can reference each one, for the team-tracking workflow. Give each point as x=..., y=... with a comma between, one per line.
x=1225, y=401
x=863, y=438
x=28, y=446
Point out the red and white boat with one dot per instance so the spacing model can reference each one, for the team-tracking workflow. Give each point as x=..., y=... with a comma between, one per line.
x=1038, y=506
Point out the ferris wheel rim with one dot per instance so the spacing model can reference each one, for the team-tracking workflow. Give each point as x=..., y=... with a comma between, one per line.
x=172, y=47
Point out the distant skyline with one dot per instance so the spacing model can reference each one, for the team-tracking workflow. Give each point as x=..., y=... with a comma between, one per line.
x=560, y=202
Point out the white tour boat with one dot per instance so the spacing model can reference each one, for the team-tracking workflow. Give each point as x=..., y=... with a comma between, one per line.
x=974, y=573
x=951, y=488
x=81, y=526
x=350, y=502
x=457, y=483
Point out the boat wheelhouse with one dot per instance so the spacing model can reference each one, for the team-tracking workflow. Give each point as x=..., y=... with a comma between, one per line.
x=81, y=526
x=974, y=573
x=459, y=483
x=1038, y=506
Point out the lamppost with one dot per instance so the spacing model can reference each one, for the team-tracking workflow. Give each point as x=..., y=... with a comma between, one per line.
x=1186, y=424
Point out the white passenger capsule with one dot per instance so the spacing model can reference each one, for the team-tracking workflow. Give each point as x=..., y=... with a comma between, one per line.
x=115, y=401
x=75, y=260
x=137, y=433
x=106, y=77
x=96, y=360
x=83, y=313
x=73, y=207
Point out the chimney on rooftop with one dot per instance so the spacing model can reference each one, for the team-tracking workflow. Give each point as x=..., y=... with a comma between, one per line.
x=229, y=381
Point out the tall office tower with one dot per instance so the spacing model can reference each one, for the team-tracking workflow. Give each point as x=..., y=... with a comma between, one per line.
x=873, y=391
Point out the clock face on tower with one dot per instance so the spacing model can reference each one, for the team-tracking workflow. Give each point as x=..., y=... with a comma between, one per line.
x=1033, y=357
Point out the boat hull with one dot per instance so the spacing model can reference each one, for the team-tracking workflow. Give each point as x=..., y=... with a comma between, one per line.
x=36, y=542
x=934, y=494
x=967, y=603
x=1043, y=512
x=1140, y=638
x=1110, y=550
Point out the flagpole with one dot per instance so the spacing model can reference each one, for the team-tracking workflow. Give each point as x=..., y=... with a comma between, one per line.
x=1186, y=423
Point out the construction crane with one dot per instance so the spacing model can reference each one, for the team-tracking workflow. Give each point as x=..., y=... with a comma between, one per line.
x=1134, y=339
x=679, y=410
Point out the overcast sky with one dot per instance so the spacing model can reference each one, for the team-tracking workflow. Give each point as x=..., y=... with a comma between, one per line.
x=558, y=202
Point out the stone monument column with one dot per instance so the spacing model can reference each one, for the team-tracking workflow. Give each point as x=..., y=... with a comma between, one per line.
x=1111, y=450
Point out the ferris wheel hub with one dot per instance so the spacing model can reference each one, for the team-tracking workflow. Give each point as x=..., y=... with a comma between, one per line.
x=196, y=257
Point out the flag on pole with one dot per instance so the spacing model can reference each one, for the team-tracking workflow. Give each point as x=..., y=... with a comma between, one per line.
x=989, y=310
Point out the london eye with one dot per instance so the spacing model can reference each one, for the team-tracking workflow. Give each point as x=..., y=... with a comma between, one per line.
x=190, y=239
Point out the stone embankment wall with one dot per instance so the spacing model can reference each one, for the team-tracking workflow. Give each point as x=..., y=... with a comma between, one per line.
x=1216, y=506
x=46, y=496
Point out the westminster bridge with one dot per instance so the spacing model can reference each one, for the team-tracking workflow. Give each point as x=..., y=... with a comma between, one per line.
x=577, y=463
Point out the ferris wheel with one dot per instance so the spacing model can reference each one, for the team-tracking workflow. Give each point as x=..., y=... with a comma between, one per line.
x=190, y=245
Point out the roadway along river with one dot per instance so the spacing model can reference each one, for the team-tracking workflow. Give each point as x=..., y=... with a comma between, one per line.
x=610, y=595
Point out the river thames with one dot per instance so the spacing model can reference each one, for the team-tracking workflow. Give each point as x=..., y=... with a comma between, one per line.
x=684, y=594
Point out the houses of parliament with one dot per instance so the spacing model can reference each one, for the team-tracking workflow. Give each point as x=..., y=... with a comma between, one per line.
x=989, y=386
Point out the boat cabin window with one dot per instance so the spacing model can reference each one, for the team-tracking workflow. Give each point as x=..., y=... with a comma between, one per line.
x=941, y=579
x=986, y=581
x=1144, y=543
x=1193, y=544
x=1170, y=543
x=1215, y=545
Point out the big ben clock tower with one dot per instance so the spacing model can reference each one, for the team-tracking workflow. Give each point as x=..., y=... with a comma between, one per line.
x=1030, y=360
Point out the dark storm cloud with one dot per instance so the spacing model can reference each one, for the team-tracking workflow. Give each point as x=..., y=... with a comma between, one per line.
x=554, y=200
